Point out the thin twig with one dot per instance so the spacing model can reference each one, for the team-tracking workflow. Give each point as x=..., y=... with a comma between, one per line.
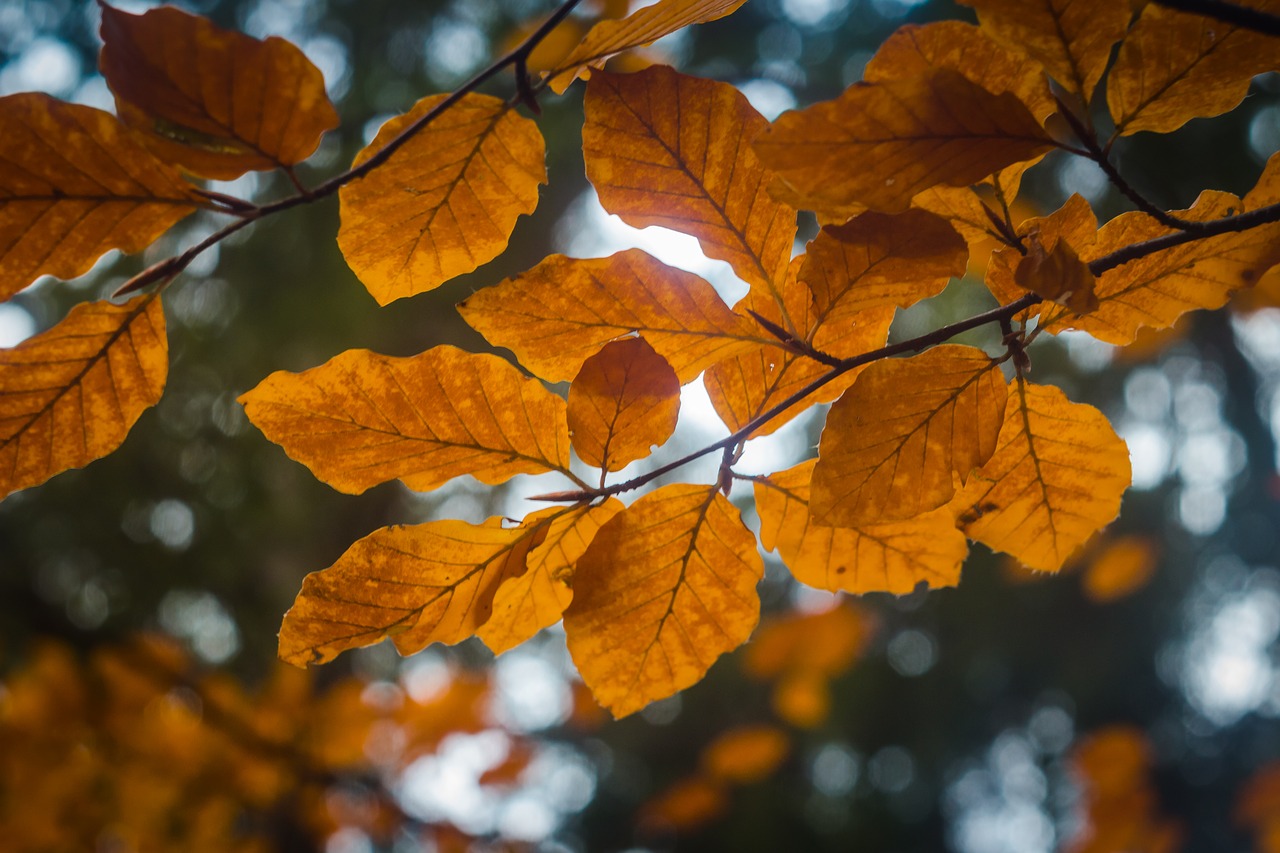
x=1228, y=13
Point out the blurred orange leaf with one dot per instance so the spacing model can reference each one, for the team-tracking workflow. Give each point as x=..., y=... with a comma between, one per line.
x=666, y=587
x=745, y=754
x=624, y=401
x=1056, y=478
x=824, y=643
x=362, y=419
x=446, y=201
x=894, y=440
x=1125, y=565
x=685, y=805
x=561, y=312
x=215, y=101
x=74, y=182
x=70, y=395
x=895, y=556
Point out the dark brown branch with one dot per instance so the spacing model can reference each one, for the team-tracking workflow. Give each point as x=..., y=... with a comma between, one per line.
x=1228, y=13
x=1209, y=228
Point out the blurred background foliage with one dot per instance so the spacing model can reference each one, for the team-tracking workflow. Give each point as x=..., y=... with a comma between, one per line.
x=1014, y=713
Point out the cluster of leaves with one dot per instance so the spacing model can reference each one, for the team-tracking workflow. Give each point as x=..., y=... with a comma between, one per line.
x=909, y=172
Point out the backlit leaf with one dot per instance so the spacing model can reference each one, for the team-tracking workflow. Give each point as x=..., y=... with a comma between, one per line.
x=915, y=48
x=525, y=605
x=1052, y=269
x=562, y=311
x=894, y=556
x=215, y=101
x=362, y=419
x=1157, y=289
x=667, y=586
x=1174, y=66
x=70, y=395
x=446, y=201
x=879, y=144
x=1074, y=224
x=1072, y=38
x=881, y=259
x=419, y=584
x=663, y=148
x=893, y=441
x=624, y=401
x=1055, y=479
x=74, y=183
x=645, y=26
x=745, y=754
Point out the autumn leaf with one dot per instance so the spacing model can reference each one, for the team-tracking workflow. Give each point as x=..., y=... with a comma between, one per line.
x=904, y=136
x=1072, y=38
x=667, y=149
x=880, y=259
x=75, y=183
x=1073, y=225
x=561, y=312
x=1056, y=477
x=1174, y=66
x=666, y=587
x=645, y=26
x=894, y=440
x=624, y=401
x=1052, y=269
x=526, y=604
x=446, y=201
x=684, y=806
x=745, y=754
x=214, y=101
x=417, y=584
x=895, y=556
x=362, y=419
x=1124, y=566
x=70, y=395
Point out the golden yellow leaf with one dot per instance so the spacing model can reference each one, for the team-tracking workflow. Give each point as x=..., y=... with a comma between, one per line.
x=903, y=135
x=74, y=183
x=895, y=556
x=525, y=605
x=1055, y=479
x=663, y=148
x=215, y=101
x=562, y=311
x=966, y=208
x=1125, y=565
x=745, y=754
x=70, y=395
x=1074, y=224
x=742, y=387
x=418, y=584
x=882, y=259
x=915, y=48
x=1072, y=38
x=646, y=25
x=446, y=201
x=623, y=403
x=666, y=587
x=1174, y=66
x=894, y=440
x=1157, y=289
x=362, y=419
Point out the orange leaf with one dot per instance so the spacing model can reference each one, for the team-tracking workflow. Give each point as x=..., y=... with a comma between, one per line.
x=663, y=148
x=363, y=419
x=562, y=311
x=214, y=101
x=893, y=441
x=1072, y=38
x=1124, y=566
x=525, y=605
x=882, y=259
x=1052, y=269
x=1074, y=224
x=74, y=183
x=745, y=754
x=666, y=587
x=685, y=805
x=1174, y=66
x=894, y=557
x=825, y=643
x=647, y=25
x=903, y=135
x=915, y=48
x=446, y=201
x=802, y=699
x=70, y=395
x=1056, y=478
x=419, y=584
x=1157, y=289
x=623, y=403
